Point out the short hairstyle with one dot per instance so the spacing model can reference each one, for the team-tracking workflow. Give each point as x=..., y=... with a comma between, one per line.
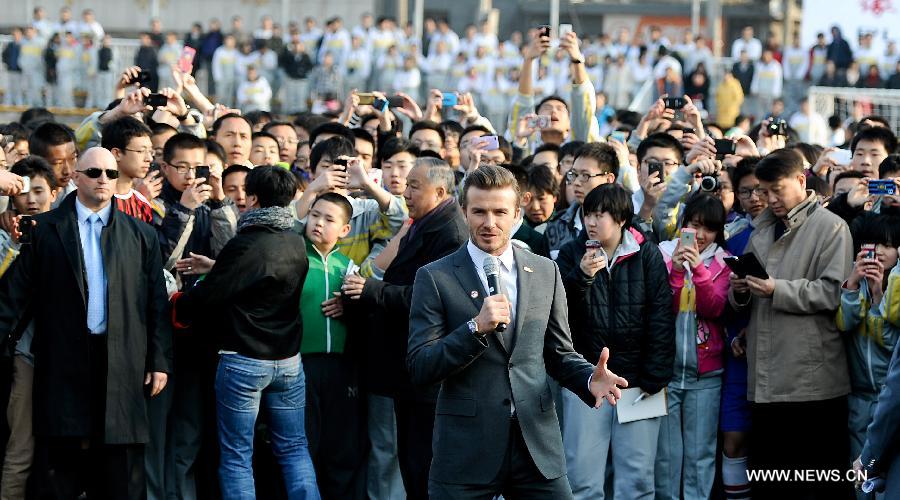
x=779, y=164
x=331, y=128
x=34, y=117
x=17, y=130
x=848, y=174
x=551, y=98
x=219, y=121
x=397, y=145
x=452, y=127
x=611, y=198
x=439, y=174
x=745, y=167
x=263, y=135
x=427, y=153
x=332, y=148
x=876, y=134
x=257, y=116
x=339, y=200
x=234, y=169
x=553, y=148
x=541, y=180
x=660, y=140
x=810, y=152
x=604, y=154
x=489, y=177
x=361, y=133
x=428, y=125
x=877, y=119
x=181, y=140
x=708, y=212
x=117, y=134
x=158, y=128
x=505, y=147
x=819, y=185
x=570, y=149
x=48, y=135
x=309, y=121
x=474, y=128
x=35, y=166
x=272, y=186
x=275, y=123
x=214, y=148
x=890, y=166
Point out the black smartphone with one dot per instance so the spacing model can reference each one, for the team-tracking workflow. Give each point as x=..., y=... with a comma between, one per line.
x=544, y=30
x=753, y=267
x=26, y=225
x=724, y=147
x=674, y=102
x=203, y=171
x=156, y=100
x=655, y=166
x=142, y=77
x=154, y=167
x=340, y=161
x=395, y=101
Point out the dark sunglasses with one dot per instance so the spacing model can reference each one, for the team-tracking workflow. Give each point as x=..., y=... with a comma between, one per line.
x=95, y=173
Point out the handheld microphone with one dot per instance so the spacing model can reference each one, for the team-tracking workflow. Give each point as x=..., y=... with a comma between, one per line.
x=492, y=271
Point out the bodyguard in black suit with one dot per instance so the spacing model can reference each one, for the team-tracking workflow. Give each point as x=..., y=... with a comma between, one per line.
x=96, y=362
x=496, y=430
x=438, y=229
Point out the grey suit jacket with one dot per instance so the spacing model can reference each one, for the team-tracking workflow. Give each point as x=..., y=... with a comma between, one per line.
x=478, y=377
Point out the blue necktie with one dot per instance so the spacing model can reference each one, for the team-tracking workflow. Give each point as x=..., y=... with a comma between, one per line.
x=96, y=276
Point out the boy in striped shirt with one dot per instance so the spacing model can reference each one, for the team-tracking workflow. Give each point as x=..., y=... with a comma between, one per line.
x=129, y=141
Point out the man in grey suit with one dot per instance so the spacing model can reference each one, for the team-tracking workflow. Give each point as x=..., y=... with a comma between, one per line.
x=495, y=429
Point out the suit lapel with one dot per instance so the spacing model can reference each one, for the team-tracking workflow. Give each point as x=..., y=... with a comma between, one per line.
x=471, y=283
x=67, y=227
x=523, y=286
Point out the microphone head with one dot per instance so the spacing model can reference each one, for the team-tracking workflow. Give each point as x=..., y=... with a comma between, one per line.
x=490, y=266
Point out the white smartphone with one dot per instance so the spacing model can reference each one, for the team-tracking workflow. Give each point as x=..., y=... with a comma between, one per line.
x=563, y=29
x=26, y=185
x=841, y=156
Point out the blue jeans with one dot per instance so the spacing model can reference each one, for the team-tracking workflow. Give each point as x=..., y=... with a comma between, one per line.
x=242, y=384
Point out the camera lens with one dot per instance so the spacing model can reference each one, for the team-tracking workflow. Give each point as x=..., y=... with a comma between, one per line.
x=709, y=183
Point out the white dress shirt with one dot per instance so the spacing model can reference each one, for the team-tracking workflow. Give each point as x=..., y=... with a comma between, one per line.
x=508, y=275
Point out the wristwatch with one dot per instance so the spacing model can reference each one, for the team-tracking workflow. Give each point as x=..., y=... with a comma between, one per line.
x=185, y=115
x=473, y=327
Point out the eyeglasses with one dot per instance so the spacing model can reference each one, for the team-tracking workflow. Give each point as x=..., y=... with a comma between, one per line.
x=571, y=175
x=746, y=193
x=183, y=170
x=284, y=141
x=667, y=164
x=142, y=152
x=95, y=173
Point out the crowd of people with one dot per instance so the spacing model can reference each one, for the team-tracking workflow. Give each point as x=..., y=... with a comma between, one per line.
x=311, y=67
x=200, y=298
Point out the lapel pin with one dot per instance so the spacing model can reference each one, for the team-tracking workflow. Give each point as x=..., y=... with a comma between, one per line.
x=527, y=269
x=473, y=294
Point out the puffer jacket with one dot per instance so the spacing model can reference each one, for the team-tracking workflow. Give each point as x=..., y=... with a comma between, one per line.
x=699, y=299
x=627, y=308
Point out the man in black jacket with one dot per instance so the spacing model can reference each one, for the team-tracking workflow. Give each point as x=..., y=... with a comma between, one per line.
x=197, y=219
x=254, y=291
x=296, y=65
x=92, y=282
x=438, y=229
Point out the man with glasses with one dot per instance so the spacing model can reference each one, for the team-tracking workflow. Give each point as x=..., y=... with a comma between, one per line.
x=198, y=220
x=92, y=282
x=129, y=141
x=595, y=164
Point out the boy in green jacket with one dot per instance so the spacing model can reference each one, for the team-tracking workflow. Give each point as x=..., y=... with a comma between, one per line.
x=335, y=416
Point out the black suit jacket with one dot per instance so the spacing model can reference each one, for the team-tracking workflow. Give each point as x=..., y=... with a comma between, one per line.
x=48, y=277
x=478, y=377
x=442, y=233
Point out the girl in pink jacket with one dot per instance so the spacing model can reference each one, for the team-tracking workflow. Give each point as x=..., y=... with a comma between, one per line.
x=698, y=276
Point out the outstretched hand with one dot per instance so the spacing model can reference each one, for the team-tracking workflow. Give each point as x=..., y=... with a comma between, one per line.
x=604, y=383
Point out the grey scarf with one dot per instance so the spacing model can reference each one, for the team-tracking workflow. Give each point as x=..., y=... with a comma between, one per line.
x=273, y=217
